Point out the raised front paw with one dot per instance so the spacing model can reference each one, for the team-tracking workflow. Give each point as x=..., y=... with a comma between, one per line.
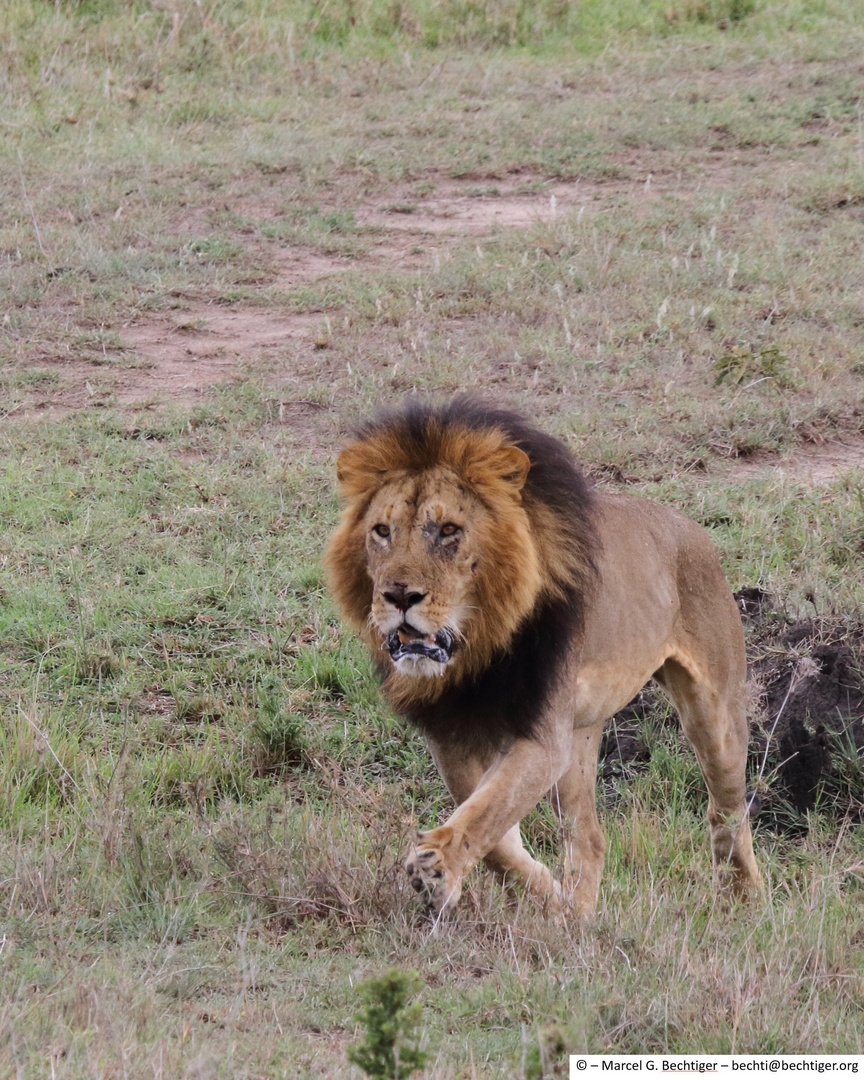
x=428, y=872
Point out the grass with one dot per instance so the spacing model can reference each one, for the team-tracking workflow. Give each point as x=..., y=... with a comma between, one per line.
x=203, y=802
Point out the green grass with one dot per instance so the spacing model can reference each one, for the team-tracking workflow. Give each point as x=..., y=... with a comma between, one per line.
x=203, y=802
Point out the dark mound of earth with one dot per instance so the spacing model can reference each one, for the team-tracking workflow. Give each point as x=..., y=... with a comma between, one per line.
x=812, y=718
x=809, y=717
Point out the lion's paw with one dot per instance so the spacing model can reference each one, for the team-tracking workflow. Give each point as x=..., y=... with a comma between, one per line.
x=430, y=876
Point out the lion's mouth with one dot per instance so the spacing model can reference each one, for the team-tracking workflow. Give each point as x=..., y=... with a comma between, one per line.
x=406, y=641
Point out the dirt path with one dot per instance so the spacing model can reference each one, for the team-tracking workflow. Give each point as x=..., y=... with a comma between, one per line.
x=809, y=464
x=181, y=356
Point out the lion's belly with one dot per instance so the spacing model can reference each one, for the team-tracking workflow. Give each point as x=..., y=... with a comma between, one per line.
x=629, y=630
x=601, y=690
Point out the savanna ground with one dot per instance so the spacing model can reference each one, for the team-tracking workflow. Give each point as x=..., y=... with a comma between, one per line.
x=227, y=231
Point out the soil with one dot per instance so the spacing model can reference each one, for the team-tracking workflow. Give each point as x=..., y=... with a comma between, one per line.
x=460, y=210
x=810, y=464
x=180, y=357
x=811, y=675
x=807, y=682
x=184, y=358
x=812, y=711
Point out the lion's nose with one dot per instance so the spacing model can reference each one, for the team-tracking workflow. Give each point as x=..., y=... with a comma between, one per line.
x=400, y=598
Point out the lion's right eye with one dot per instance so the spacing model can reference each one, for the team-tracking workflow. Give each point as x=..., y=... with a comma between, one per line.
x=381, y=530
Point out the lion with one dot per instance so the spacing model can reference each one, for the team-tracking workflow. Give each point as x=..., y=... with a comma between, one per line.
x=511, y=609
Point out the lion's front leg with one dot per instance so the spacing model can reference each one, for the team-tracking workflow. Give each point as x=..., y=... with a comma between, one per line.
x=433, y=870
x=485, y=824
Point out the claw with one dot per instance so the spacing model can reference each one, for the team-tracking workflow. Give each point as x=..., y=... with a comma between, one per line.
x=428, y=873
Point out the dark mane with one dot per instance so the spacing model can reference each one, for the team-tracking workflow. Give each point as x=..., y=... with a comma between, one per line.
x=508, y=699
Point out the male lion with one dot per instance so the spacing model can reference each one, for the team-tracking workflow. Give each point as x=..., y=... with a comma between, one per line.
x=512, y=610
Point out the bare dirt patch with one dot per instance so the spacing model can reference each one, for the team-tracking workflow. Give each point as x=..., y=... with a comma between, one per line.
x=181, y=359
x=177, y=358
x=811, y=464
x=811, y=730
x=470, y=209
x=185, y=358
x=182, y=356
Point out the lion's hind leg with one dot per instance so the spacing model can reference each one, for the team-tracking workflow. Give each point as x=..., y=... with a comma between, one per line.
x=710, y=704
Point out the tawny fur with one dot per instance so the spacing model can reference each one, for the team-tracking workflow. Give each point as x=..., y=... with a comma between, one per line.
x=563, y=603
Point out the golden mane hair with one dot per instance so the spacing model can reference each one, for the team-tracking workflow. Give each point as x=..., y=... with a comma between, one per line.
x=538, y=566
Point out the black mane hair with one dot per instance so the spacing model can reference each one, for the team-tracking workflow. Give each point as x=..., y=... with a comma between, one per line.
x=507, y=700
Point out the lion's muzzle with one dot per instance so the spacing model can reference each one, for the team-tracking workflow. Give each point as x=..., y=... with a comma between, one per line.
x=406, y=642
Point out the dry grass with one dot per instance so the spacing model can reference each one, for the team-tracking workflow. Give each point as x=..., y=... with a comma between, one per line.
x=234, y=229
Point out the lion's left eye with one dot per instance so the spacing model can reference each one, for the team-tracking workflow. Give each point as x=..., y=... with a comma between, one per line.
x=449, y=529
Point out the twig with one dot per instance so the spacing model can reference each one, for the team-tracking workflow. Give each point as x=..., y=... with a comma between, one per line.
x=436, y=71
x=765, y=378
x=44, y=738
x=436, y=921
x=793, y=682
x=30, y=206
x=860, y=139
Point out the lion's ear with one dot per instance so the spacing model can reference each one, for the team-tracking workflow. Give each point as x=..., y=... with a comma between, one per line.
x=358, y=468
x=506, y=465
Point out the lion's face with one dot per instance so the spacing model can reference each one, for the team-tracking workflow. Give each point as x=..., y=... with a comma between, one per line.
x=422, y=556
x=434, y=560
